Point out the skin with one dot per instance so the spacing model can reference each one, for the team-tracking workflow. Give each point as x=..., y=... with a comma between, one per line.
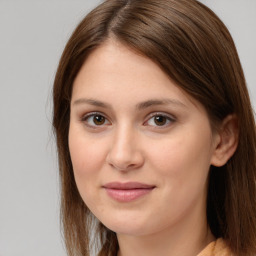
x=129, y=145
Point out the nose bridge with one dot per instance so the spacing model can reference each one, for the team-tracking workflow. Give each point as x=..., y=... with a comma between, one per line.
x=125, y=151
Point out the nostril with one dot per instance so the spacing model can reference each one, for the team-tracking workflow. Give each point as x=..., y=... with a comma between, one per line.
x=122, y=167
x=125, y=164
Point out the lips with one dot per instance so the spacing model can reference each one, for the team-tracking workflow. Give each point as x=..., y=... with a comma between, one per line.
x=126, y=192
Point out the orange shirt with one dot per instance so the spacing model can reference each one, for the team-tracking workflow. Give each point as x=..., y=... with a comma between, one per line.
x=216, y=248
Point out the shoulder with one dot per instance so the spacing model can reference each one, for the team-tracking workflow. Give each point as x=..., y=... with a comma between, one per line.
x=216, y=248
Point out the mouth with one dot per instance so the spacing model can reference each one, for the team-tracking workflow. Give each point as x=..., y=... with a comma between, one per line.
x=129, y=191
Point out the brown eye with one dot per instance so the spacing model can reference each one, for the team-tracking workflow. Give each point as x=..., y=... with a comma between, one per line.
x=95, y=120
x=98, y=120
x=160, y=120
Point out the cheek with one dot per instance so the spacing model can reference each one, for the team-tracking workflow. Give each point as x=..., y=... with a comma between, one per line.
x=87, y=159
x=183, y=161
x=86, y=155
x=183, y=166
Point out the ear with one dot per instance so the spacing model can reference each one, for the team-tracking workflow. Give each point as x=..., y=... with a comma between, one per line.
x=226, y=141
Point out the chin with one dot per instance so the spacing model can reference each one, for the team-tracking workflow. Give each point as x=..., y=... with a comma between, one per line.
x=128, y=226
x=128, y=230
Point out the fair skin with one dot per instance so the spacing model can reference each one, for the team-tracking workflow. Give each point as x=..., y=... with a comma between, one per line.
x=130, y=123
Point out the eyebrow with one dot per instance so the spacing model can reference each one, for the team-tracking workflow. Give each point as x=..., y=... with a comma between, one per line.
x=157, y=102
x=139, y=106
x=92, y=102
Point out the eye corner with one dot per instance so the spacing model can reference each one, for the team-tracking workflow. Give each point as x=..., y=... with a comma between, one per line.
x=95, y=120
x=159, y=120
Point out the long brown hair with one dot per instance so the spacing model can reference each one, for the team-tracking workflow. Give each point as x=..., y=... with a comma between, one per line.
x=190, y=43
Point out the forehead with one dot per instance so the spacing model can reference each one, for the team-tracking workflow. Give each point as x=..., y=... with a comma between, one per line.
x=114, y=59
x=113, y=71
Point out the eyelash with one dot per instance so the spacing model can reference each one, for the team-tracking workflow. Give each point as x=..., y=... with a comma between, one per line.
x=85, y=118
x=167, y=118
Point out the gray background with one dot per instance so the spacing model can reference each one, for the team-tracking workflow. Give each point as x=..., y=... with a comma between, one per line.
x=32, y=36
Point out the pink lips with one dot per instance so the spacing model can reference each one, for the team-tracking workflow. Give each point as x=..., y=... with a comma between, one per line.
x=126, y=192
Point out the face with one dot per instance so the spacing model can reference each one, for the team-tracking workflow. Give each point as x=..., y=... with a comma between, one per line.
x=141, y=148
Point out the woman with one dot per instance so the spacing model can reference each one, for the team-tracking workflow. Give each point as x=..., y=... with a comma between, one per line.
x=155, y=134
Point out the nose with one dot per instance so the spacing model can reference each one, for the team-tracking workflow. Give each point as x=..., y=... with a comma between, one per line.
x=125, y=151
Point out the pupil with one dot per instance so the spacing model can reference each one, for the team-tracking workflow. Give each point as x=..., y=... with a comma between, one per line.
x=160, y=120
x=99, y=120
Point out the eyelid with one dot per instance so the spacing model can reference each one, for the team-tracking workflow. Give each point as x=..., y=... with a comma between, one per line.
x=85, y=116
x=159, y=113
x=91, y=114
x=170, y=117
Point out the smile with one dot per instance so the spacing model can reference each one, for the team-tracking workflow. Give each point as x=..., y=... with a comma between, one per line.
x=126, y=192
